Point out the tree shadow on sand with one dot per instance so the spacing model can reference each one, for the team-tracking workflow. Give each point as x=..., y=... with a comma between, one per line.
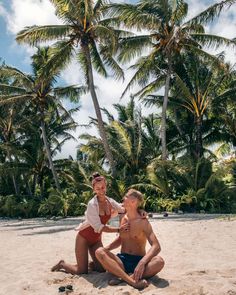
x=186, y=217
x=41, y=226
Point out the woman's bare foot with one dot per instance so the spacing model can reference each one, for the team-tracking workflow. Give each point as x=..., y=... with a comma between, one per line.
x=140, y=284
x=58, y=266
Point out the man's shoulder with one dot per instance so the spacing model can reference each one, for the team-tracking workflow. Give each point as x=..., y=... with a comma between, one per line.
x=142, y=222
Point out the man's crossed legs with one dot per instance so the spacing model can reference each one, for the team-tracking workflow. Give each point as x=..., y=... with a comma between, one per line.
x=122, y=265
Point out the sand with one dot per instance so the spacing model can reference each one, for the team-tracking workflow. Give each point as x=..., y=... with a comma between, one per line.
x=199, y=251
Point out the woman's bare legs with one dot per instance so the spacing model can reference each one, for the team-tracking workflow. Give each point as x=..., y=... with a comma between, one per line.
x=96, y=265
x=81, y=253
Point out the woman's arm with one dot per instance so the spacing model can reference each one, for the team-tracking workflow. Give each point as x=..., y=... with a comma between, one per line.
x=111, y=229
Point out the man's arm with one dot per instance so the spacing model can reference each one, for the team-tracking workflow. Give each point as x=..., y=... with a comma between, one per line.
x=114, y=244
x=152, y=252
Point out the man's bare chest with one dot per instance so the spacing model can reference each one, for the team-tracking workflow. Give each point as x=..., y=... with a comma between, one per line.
x=135, y=231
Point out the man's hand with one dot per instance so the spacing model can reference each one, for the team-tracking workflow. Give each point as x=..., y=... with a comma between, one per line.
x=138, y=272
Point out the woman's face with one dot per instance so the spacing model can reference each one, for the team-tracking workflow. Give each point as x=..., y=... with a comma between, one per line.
x=100, y=188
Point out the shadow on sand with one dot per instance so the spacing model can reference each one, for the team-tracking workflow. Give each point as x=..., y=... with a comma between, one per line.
x=100, y=281
x=186, y=217
x=40, y=226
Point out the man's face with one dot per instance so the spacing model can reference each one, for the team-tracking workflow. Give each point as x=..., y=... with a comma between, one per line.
x=100, y=188
x=129, y=201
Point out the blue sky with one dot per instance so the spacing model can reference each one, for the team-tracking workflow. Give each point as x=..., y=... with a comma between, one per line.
x=16, y=14
x=12, y=54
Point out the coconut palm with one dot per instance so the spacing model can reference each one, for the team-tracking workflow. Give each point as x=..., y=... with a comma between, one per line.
x=224, y=109
x=169, y=35
x=10, y=137
x=38, y=90
x=194, y=88
x=134, y=141
x=84, y=32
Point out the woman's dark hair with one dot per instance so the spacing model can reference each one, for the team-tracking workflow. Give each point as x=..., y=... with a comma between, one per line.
x=95, y=174
x=96, y=177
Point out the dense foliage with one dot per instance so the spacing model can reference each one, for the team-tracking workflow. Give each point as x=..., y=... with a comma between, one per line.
x=181, y=157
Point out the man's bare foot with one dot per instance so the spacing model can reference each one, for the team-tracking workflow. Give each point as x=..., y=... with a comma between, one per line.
x=58, y=266
x=140, y=284
x=115, y=281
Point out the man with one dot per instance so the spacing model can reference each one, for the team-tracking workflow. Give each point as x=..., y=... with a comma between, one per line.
x=133, y=264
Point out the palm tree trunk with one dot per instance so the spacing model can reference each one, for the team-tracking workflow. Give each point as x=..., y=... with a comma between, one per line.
x=15, y=184
x=163, y=115
x=97, y=110
x=34, y=183
x=27, y=185
x=199, y=147
x=49, y=156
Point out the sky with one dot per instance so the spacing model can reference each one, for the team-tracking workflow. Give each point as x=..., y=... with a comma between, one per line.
x=17, y=14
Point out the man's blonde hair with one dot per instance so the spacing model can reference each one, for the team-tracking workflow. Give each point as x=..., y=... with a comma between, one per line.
x=137, y=194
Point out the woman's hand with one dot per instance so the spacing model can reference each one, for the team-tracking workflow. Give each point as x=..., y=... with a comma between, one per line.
x=143, y=213
x=124, y=227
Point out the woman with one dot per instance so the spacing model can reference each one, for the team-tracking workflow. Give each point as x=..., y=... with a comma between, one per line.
x=99, y=211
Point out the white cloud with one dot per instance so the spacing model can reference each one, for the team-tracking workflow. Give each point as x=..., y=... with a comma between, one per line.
x=28, y=13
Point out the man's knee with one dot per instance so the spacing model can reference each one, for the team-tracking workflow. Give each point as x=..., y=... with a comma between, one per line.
x=159, y=261
x=100, y=253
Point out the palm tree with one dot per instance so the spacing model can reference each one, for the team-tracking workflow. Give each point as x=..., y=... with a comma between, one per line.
x=224, y=109
x=38, y=90
x=194, y=88
x=169, y=36
x=86, y=31
x=10, y=136
x=133, y=139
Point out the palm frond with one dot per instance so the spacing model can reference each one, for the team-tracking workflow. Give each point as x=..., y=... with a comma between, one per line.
x=7, y=89
x=151, y=87
x=131, y=47
x=106, y=36
x=9, y=99
x=206, y=56
x=97, y=62
x=109, y=61
x=72, y=92
x=108, y=114
x=213, y=41
x=14, y=73
x=123, y=137
x=34, y=35
x=60, y=54
x=137, y=16
x=180, y=10
x=211, y=12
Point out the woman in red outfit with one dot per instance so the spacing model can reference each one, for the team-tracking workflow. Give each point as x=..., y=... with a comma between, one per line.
x=99, y=210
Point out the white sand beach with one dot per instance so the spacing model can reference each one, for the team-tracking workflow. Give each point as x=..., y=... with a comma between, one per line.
x=199, y=251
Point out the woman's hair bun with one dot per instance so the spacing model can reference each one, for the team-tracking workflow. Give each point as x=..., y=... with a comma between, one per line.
x=95, y=174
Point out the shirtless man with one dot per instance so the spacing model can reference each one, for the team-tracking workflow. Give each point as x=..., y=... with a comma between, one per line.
x=133, y=264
